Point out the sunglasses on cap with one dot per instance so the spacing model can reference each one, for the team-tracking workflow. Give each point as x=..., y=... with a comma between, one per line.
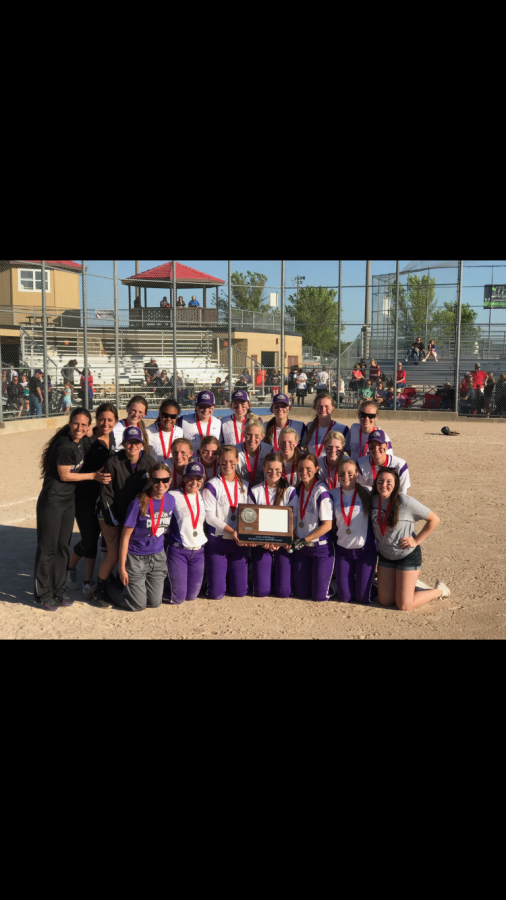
x=160, y=480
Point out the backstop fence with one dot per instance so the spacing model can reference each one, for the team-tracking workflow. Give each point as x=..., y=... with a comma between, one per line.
x=411, y=334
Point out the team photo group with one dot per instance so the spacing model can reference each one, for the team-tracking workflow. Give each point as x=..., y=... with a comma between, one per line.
x=159, y=504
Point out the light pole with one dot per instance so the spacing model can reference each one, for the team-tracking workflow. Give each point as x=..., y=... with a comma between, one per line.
x=296, y=281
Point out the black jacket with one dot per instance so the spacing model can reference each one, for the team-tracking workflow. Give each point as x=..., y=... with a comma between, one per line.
x=124, y=485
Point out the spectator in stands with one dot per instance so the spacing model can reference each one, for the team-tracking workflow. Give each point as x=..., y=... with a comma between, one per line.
x=151, y=370
x=260, y=378
x=219, y=392
x=12, y=373
x=194, y=301
x=241, y=384
x=389, y=399
x=374, y=371
x=401, y=375
x=479, y=378
x=161, y=384
x=357, y=378
x=164, y=303
x=292, y=384
x=366, y=392
x=380, y=395
x=247, y=377
x=401, y=398
x=67, y=372
x=4, y=384
x=465, y=384
x=301, y=381
x=15, y=394
x=180, y=302
x=89, y=386
x=416, y=351
x=500, y=395
x=447, y=394
x=488, y=390
x=137, y=302
x=35, y=396
x=467, y=399
x=322, y=380
x=432, y=351
x=176, y=390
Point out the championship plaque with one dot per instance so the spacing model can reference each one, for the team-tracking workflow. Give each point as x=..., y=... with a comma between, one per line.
x=265, y=524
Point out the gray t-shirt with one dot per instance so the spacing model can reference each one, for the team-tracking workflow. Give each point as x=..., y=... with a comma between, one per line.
x=410, y=511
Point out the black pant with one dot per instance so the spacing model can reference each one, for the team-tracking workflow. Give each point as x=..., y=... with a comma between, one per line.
x=88, y=526
x=54, y=531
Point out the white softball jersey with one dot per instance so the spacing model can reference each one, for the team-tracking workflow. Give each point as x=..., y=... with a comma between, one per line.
x=359, y=523
x=367, y=472
x=217, y=506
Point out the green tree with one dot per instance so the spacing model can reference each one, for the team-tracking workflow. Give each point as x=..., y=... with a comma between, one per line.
x=247, y=292
x=444, y=322
x=417, y=304
x=316, y=312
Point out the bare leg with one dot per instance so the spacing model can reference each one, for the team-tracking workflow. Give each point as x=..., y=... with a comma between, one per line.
x=112, y=535
x=386, y=586
x=74, y=559
x=405, y=596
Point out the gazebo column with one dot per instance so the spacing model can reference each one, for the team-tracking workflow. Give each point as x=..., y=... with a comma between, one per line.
x=145, y=298
x=204, y=301
x=216, y=296
x=129, y=297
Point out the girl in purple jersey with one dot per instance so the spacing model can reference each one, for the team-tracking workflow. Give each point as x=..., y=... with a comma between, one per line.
x=272, y=560
x=226, y=557
x=356, y=552
x=142, y=564
x=313, y=562
x=186, y=539
x=314, y=434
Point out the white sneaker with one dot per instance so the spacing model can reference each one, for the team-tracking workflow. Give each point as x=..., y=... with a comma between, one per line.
x=87, y=587
x=71, y=578
x=439, y=586
x=421, y=584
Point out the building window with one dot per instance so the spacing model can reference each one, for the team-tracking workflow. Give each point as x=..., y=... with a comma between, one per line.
x=31, y=280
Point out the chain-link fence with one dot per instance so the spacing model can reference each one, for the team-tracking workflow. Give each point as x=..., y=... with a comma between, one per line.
x=411, y=334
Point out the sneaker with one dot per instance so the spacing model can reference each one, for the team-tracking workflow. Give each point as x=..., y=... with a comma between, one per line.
x=51, y=605
x=64, y=600
x=87, y=587
x=71, y=578
x=440, y=586
x=100, y=599
x=421, y=584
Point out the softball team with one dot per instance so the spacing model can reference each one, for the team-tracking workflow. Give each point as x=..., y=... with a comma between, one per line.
x=202, y=423
x=314, y=434
x=357, y=438
x=164, y=431
x=170, y=519
x=272, y=562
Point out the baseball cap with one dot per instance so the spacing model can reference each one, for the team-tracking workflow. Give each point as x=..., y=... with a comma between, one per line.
x=280, y=398
x=378, y=436
x=205, y=398
x=194, y=469
x=132, y=433
x=38, y=372
x=240, y=395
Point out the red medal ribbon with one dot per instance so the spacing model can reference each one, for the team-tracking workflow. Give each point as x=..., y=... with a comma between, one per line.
x=234, y=420
x=292, y=473
x=267, y=501
x=373, y=470
x=348, y=520
x=331, y=485
x=302, y=507
x=275, y=438
x=154, y=528
x=208, y=426
x=233, y=508
x=160, y=433
x=360, y=445
x=257, y=457
x=196, y=519
x=320, y=448
x=383, y=528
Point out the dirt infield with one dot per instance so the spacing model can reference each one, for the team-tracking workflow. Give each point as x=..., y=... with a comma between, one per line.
x=462, y=478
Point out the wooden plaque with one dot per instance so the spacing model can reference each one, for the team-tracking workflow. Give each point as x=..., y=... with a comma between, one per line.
x=265, y=524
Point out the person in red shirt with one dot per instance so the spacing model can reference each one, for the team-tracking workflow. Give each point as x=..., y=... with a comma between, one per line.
x=479, y=379
x=260, y=378
x=401, y=374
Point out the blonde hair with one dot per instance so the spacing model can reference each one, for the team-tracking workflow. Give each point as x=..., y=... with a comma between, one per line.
x=145, y=495
x=336, y=436
x=314, y=423
x=254, y=421
x=230, y=448
x=184, y=440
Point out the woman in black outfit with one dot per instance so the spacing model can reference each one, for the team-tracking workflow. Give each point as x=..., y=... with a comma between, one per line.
x=61, y=464
x=97, y=450
x=129, y=470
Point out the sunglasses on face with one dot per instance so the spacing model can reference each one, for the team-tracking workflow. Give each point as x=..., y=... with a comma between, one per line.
x=367, y=416
x=160, y=480
x=169, y=416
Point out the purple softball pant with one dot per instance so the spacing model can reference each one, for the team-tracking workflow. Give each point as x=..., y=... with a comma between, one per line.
x=312, y=571
x=226, y=561
x=264, y=564
x=355, y=572
x=185, y=570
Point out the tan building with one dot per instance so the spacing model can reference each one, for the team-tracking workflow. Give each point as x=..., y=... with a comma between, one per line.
x=21, y=293
x=264, y=348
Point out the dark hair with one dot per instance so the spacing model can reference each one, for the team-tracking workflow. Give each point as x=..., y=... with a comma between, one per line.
x=106, y=407
x=138, y=398
x=44, y=460
x=144, y=496
x=393, y=515
x=283, y=483
x=361, y=491
x=169, y=402
x=312, y=458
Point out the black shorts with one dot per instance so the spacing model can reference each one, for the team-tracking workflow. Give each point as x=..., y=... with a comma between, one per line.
x=411, y=562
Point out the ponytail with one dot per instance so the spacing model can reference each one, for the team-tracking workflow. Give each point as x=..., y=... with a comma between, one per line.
x=144, y=496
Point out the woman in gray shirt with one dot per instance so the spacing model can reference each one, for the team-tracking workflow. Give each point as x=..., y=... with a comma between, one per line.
x=400, y=559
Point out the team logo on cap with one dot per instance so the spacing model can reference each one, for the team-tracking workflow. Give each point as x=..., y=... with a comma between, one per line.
x=206, y=397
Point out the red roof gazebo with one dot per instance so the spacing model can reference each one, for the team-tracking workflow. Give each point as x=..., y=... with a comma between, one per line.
x=186, y=277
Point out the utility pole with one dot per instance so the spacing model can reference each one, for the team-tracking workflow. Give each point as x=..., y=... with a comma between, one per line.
x=367, y=313
x=297, y=280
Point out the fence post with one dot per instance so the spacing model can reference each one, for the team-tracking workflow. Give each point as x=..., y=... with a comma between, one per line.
x=396, y=330
x=457, y=333
x=229, y=330
x=1, y=398
x=283, y=273
x=85, y=339
x=116, y=333
x=338, y=367
x=174, y=330
x=44, y=336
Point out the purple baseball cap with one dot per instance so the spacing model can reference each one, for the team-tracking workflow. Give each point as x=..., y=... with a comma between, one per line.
x=378, y=437
x=240, y=395
x=205, y=398
x=194, y=469
x=132, y=433
x=280, y=398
